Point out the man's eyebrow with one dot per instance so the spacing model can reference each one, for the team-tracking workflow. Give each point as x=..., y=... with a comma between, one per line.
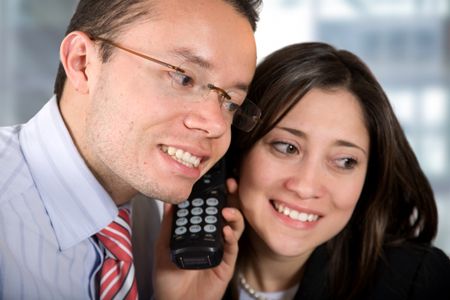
x=188, y=56
x=343, y=143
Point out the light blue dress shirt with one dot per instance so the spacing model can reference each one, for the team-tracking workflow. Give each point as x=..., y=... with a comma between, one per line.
x=50, y=206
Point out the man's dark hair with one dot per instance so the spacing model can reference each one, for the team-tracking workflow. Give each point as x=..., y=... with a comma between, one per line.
x=106, y=18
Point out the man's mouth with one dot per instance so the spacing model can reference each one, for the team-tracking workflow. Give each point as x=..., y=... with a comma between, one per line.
x=183, y=157
x=294, y=214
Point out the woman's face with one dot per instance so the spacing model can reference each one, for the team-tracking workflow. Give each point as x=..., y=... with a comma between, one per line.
x=300, y=183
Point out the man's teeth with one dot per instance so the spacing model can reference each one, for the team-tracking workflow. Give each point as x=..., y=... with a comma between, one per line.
x=182, y=157
x=293, y=214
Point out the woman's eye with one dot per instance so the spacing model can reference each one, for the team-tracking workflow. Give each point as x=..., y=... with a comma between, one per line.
x=181, y=80
x=285, y=148
x=347, y=163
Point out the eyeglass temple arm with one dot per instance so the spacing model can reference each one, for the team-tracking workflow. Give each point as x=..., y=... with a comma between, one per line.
x=137, y=53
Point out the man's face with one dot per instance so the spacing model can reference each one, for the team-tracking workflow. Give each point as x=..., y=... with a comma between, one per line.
x=142, y=133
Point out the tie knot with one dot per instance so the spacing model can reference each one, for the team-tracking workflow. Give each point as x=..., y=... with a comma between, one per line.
x=116, y=237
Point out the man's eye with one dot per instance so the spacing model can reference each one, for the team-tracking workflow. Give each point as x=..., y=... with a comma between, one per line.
x=230, y=106
x=181, y=80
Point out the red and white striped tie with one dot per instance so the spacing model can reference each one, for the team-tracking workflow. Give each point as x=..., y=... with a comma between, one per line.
x=117, y=279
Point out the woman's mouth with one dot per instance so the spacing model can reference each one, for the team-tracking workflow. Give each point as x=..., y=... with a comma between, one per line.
x=294, y=214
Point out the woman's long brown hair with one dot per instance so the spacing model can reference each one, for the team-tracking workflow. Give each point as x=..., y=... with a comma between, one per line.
x=397, y=203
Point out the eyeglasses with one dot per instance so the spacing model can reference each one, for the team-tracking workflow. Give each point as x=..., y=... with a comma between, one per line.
x=242, y=113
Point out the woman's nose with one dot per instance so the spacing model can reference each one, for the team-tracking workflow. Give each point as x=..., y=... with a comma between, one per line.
x=306, y=180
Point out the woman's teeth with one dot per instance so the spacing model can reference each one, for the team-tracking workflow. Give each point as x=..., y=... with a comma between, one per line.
x=181, y=156
x=296, y=215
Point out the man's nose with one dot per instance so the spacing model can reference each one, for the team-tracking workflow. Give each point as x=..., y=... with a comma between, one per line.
x=209, y=117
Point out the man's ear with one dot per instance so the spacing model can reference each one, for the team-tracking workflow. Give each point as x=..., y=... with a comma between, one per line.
x=76, y=52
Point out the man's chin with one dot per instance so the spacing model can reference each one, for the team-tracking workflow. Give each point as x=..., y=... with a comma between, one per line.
x=175, y=198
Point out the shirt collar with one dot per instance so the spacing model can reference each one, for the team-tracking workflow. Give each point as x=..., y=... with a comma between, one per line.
x=78, y=206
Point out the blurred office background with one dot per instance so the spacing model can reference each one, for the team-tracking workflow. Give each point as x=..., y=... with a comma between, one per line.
x=405, y=42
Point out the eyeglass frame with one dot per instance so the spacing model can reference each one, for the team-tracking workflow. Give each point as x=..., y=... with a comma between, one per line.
x=211, y=86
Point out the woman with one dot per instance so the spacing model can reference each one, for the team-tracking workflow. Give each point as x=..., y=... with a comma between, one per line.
x=335, y=202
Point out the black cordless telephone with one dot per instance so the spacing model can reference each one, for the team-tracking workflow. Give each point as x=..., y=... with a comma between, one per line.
x=197, y=241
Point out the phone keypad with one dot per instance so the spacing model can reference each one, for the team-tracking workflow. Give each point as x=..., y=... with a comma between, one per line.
x=196, y=215
x=197, y=241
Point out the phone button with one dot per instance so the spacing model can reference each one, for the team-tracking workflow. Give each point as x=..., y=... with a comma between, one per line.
x=212, y=201
x=210, y=228
x=183, y=204
x=197, y=202
x=182, y=213
x=210, y=219
x=195, y=228
x=196, y=211
x=196, y=220
x=181, y=221
x=211, y=211
x=180, y=230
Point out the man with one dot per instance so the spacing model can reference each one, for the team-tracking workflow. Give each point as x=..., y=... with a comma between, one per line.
x=145, y=96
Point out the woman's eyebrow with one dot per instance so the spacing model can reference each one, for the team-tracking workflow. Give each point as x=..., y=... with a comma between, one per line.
x=339, y=142
x=293, y=131
x=350, y=144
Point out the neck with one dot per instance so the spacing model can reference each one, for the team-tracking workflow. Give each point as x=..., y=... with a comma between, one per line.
x=267, y=271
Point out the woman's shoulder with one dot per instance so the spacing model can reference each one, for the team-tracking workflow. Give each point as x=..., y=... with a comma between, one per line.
x=419, y=255
x=414, y=271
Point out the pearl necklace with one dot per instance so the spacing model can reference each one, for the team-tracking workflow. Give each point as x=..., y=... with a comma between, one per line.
x=251, y=291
